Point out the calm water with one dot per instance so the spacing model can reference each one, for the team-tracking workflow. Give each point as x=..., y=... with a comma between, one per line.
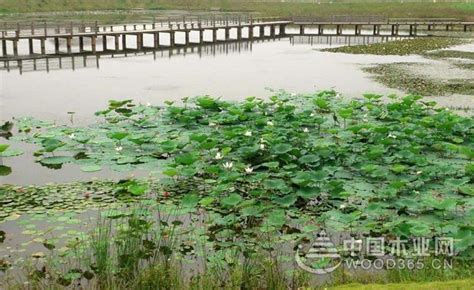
x=233, y=71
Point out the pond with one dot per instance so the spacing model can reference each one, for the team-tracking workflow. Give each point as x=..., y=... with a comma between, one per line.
x=69, y=90
x=232, y=71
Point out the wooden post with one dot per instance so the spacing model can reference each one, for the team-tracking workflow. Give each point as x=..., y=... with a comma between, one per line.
x=262, y=31
x=4, y=47
x=226, y=33
x=338, y=29
x=43, y=45
x=239, y=31
x=357, y=29
x=214, y=34
x=272, y=31
x=117, y=45
x=172, y=36
x=201, y=34
x=81, y=44
x=301, y=29
x=282, y=30
x=94, y=43
x=15, y=47
x=104, y=43
x=251, y=28
x=124, y=42
x=320, y=29
x=139, y=41
x=30, y=42
x=156, y=39
x=68, y=44
x=56, y=45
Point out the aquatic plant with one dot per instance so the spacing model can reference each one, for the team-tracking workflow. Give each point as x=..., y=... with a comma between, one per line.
x=450, y=54
x=401, y=47
x=290, y=165
x=399, y=76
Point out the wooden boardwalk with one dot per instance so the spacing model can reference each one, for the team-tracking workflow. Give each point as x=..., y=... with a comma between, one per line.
x=116, y=38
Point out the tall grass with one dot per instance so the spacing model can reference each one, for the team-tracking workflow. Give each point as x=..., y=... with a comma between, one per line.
x=137, y=250
x=387, y=8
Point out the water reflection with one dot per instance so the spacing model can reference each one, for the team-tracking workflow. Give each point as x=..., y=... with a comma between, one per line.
x=89, y=60
x=78, y=61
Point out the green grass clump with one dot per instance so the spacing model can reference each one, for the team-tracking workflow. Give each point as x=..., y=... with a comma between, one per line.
x=458, y=285
x=400, y=47
x=394, y=76
x=439, y=54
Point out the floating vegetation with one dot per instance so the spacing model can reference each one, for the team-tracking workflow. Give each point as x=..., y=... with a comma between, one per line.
x=450, y=54
x=241, y=182
x=401, y=47
x=397, y=76
x=465, y=65
x=291, y=165
x=17, y=200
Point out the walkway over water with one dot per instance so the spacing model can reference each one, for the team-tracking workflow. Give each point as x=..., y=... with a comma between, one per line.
x=246, y=28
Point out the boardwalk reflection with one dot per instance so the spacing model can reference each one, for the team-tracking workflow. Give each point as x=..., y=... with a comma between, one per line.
x=89, y=60
x=78, y=60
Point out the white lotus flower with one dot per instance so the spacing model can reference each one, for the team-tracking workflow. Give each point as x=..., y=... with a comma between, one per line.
x=262, y=146
x=212, y=124
x=419, y=172
x=293, y=95
x=119, y=148
x=342, y=206
x=228, y=165
x=306, y=130
x=72, y=136
x=218, y=156
x=312, y=115
x=270, y=123
x=248, y=133
x=148, y=104
x=248, y=170
x=390, y=135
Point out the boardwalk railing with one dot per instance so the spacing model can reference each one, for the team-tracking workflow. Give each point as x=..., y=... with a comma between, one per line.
x=116, y=37
x=342, y=19
x=20, y=29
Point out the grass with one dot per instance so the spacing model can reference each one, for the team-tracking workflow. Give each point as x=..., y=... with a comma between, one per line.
x=391, y=9
x=458, y=284
x=138, y=251
x=395, y=76
x=400, y=47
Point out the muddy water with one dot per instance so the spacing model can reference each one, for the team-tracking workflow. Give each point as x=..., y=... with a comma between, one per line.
x=231, y=71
